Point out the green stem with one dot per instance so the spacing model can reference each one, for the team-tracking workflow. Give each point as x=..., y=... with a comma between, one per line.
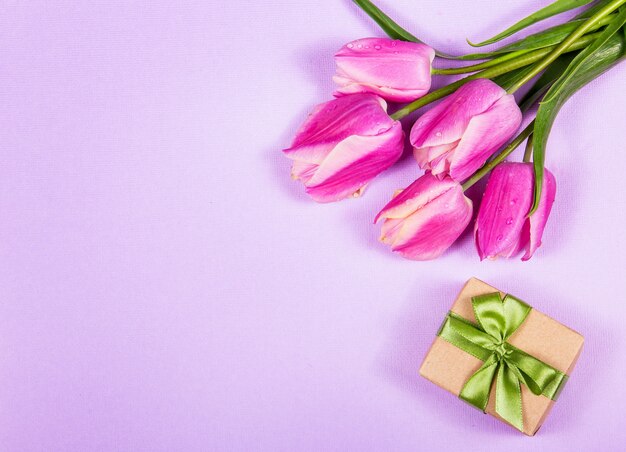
x=428, y=98
x=523, y=60
x=487, y=167
x=452, y=87
x=479, y=66
x=533, y=55
x=529, y=149
x=567, y=42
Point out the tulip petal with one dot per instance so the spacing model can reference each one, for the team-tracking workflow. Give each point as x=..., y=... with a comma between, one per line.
x=435, y=154
x=503, y=210
x=428, y=233
x=423, y=220
x=389, y=229
x=354, y=162
x=537, y=221
x=391, y=94
x=415, y=196
x=311, y=154
x=336, y=120
x=395, y=70
x=447, y=121
x=485, y=133
x=303, y=171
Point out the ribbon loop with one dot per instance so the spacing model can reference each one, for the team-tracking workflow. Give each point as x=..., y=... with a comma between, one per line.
x=503, y=364
x=499, y=318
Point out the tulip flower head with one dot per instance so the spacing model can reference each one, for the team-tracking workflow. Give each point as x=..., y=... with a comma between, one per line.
x=457, y=136
x=503, y=228
x=344, y=144
x=423, y=220
x=398, y=71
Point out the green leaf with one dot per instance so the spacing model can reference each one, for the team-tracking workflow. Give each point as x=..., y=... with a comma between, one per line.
x=558, y=7
x=548, y=77
x=613, y=28
x=541, y=40
x=590, y=11
x=483, y=55
x=586, y=68
x=543, y=83
x=391, y=28
x=545, y=38
x=510, y=78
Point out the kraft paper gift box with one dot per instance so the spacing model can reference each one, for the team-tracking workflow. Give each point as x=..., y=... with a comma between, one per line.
x=538, y=335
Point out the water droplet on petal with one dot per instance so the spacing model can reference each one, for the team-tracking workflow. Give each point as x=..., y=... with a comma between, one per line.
x=438, y=134
x=513, y=201
x=500, y=237
x=359, y=46
x=394, y=43
x=509, y=220
x=377, y=47
x=350, y=45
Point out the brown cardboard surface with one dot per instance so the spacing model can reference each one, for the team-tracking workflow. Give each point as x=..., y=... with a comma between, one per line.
x=541, y=336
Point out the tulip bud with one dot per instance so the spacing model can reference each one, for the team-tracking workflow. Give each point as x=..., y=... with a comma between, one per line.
x=344, y=144
x=457, y=136
x=503, y=227
x=398, y=71
x=423, y=220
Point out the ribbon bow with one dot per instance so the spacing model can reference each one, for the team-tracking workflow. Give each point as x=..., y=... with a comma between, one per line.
x=503, y=363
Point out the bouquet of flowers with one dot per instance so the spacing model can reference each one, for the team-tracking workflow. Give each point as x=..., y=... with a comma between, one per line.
x=346, y=142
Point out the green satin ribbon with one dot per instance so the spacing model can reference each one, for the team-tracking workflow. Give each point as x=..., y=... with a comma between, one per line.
x=504, y=364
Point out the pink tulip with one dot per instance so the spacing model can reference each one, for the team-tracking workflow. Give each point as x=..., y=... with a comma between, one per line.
x=423, y=220
x=344, y=144
x=503, y=228
x=398, y=71
x=457, y=136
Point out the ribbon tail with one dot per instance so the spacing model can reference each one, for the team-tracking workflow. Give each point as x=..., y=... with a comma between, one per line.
x=476, y=390
x=509, y=397
x=537, y=375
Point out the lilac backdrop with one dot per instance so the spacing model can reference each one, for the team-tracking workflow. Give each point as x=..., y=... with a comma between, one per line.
x=164, y=285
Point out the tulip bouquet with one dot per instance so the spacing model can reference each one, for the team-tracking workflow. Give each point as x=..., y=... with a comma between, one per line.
x=346, y=142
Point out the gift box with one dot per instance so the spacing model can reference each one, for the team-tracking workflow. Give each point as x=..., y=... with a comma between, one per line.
x=502, y=356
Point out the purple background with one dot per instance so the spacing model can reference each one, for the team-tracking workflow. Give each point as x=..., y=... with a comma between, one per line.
x=164, y=285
